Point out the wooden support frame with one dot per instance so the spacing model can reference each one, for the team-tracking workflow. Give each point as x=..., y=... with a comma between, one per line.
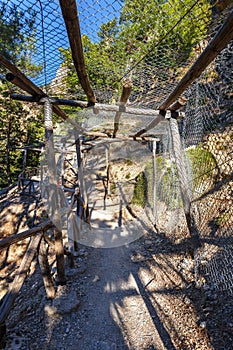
x=20, y=80
x=44, y=226
x=70, y=15
x=121, y=108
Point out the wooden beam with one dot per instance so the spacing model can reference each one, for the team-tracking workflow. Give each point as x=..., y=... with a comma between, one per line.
x=70, y=15
x=155, y=121
x=6, y=242
x=96, y=108
x=216, y=45
x=21, y=274
x=26, y=84
x=21, y=84
x=127, y=87
x=181, y=102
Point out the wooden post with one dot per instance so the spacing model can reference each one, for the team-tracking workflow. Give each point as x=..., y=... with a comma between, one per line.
x=45, y=270
x=154, y=180
x=21, y=274
x=183, y=181
x=127, y=87
x=24, y=160
x=70, y=15
x=53, y=195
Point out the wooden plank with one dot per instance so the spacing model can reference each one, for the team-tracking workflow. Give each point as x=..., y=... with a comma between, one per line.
x=6, y=242
x=15, y=287
x=45, y=270
x=70, y=15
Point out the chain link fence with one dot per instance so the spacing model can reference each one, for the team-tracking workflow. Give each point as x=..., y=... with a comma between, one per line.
x=208, y=136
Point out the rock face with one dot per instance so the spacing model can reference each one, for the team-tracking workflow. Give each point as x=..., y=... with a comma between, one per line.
x=57, y=84
x=220, y=144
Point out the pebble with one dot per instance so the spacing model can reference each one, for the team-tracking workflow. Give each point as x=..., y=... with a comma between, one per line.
x=202, y=324
x=148, y=242
x=96, y=279
x=50, y=310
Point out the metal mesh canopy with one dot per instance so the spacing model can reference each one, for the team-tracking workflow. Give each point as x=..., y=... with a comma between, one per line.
x=151, y=43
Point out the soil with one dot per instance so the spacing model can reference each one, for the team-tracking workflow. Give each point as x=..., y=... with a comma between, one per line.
x=138, y=296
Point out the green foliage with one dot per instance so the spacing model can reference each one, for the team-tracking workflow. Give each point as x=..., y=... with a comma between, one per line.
x=12, y=137
x=18, y=123
x=112, y=188
x=18, y=37
x=203, y=164
x=147, y=23
x=19, y=127
x=166, y=182
x=223, y=218
x=140, y=190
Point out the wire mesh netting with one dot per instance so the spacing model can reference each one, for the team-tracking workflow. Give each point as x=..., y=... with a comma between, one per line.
x=120, y=39
x=152, y=45
x=208, y=132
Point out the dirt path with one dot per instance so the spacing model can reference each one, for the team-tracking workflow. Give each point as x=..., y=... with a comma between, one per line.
x=141, y=296
x=136, y=297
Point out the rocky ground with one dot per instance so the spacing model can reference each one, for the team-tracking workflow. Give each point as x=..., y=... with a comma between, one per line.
x=139, y=296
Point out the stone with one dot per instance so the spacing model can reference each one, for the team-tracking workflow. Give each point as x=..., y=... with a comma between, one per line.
x=67, y=303
x=96, y=279
x=50, y=310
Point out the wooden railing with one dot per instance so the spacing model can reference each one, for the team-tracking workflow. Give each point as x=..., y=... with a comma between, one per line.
x=39, y=238
x=26, y=183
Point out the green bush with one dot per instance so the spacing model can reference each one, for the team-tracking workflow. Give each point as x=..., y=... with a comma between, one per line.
x=140, y=191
